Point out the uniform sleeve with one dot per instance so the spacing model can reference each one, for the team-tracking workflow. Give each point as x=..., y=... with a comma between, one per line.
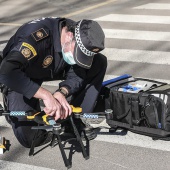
x=12, y=70
x=75, y=77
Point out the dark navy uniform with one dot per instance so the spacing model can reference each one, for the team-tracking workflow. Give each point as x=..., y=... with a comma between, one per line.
x=33, y=55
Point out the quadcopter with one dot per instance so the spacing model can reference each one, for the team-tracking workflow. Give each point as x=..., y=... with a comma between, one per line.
x=55, y=127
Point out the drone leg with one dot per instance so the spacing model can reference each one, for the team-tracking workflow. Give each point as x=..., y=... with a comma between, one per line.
x=66, y=161
x=79, y=138
x=53, y=142
x=31, y=152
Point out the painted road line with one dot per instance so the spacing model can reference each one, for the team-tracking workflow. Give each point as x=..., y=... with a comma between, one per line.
x=52, y=83
x=142, y=56
x=133, y=140
x=10, y=24
x=1, y=101
x=135, y=18
x=107, y=77
x=71, y=14
x=130, y=139
x=7, y=165
x=3, y=122
x=89, y=8
x=137, y=35
x=2, y=46
x=158, y=6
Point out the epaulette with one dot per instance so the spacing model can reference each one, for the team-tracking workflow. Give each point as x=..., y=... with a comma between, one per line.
x=39, y=34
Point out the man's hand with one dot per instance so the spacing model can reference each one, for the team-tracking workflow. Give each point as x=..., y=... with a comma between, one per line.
x=52, y=106
x=66, y=108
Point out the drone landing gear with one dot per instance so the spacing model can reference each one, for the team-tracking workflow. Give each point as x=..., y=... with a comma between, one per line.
x=56, y=129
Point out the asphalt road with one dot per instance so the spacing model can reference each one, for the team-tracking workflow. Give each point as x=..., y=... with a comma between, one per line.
x=137, y=43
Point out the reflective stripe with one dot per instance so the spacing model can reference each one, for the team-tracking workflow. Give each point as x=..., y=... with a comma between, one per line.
x=17, y=113
x=90, y=116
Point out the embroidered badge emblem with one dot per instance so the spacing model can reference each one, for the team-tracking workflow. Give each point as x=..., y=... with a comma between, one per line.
x=47, y=61
x=26, y=52
x=39, y=34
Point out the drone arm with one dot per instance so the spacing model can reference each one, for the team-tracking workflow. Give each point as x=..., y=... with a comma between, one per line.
x=12, y=113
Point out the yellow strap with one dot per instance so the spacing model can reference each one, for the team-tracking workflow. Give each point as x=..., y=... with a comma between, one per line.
x=45, y=119
x=32, y=117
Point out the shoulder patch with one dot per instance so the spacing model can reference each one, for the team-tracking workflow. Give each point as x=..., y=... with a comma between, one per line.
x=27, y=51
x=39, y=34
x=47, y=61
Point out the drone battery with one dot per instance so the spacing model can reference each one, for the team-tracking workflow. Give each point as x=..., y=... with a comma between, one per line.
x=2, y=145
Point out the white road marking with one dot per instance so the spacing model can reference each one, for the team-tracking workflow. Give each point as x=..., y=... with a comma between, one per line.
x=133, y=139
x=141, y=56
x=1, y=101
x=153, y=57
x=3, y=122
x=107, y=77
x=137, y=35
x=130, y=138
x=2, y=46
x=7, y=165
x=135, y=18
x=158, y=6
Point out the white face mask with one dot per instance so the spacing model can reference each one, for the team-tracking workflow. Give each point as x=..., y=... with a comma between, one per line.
x=68, y=56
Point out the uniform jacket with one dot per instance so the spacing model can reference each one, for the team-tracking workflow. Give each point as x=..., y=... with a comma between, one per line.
x=33, y=55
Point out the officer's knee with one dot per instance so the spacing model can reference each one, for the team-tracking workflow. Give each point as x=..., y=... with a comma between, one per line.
x=24, y=133
x=26, y=140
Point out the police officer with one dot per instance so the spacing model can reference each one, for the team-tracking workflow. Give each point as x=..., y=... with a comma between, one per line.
x=52, y=49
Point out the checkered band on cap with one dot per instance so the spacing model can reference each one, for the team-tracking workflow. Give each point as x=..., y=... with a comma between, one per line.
x=79, y=42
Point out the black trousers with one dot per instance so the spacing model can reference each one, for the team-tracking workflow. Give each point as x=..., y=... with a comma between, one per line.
x=85, y=99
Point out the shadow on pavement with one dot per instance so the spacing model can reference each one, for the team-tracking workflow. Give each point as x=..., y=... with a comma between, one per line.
x=118, y=132
x=70, y=144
